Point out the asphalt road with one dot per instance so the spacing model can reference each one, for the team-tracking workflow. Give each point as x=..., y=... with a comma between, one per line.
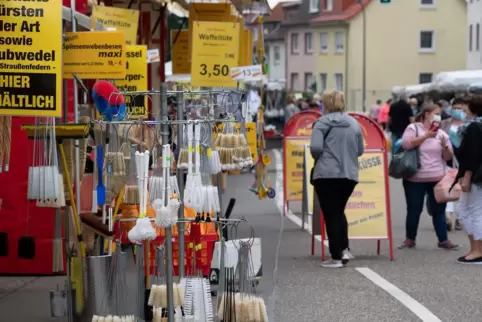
x=424, y=284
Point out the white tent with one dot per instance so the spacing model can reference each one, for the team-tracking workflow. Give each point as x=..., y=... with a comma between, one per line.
x=456, y=81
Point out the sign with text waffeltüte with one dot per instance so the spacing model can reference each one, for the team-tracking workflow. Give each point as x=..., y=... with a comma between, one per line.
x=136, y=80
x=31, y=58
x=93, y=55
x=123, y=20
x=216, y=48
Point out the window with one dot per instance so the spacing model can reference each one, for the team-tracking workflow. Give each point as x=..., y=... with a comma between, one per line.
x=308, y=81
x=308, y=43
x=477, y=37
x=470, y=37
x=424, y=78
x=427, y=3
x=323, y=82
x=339, y=81
x=339, y=41
x=294, y=81
x=314, y=6
x=276, y=55
x=328, y=5
x=427, y=41
x=294, y=44
x=323, y=42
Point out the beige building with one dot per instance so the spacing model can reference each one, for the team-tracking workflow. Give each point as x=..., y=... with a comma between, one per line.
x=407, y=42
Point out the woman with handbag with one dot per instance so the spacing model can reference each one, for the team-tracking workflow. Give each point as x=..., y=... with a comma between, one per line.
x=469, y=207
x=434, y=149
x=336, y=144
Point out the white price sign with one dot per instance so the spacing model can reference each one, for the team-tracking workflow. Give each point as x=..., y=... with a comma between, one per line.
x=247, y=73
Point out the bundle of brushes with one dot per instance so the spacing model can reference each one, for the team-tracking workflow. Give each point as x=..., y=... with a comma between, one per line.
x=131, y=189
x=156, y=181
x=186, y=153
x=197, y=299
x=233, y=149
x=192, y=197
x=110, y=318
x=5, y=142
x=242, y=306
x=143, y=229
x=116, y=164
x=158, y=297
x=167, y=206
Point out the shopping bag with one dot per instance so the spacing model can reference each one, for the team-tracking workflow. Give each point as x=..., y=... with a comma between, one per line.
x=443, y=190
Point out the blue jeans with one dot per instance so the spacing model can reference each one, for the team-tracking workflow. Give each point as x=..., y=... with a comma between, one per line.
x=415, y=194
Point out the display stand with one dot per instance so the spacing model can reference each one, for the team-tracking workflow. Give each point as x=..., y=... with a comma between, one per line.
x=296, y=135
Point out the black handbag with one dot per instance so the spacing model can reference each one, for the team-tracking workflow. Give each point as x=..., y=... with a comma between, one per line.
x=314, y=165
x=405, y=163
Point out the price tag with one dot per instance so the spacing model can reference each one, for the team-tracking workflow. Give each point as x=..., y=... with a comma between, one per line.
x=215, y=52
x=247, y=73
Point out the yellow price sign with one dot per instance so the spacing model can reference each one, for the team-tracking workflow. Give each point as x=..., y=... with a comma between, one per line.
x=293, y=167
x=136, y=80
x=180, y=52
x=31, y=58
x=93, y=55
x=123, y=20
x=216, y=46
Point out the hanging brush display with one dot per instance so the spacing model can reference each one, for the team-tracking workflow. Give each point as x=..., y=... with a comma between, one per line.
x=114, y=156
x=193, y=179
x=197, y=299
x=156, y=180
x=210, y=163
x=166, y=208
x=131, y=191
x=43, y=175
x=143, y=229
x=233, y=148
x=243, y=305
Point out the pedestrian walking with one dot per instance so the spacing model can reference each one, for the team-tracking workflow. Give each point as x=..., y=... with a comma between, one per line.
x=375, y=110
x=399, y=117
x=434, y=149
x=290, y=109
x=469, y=207
x=383, y=114
x=336, y=144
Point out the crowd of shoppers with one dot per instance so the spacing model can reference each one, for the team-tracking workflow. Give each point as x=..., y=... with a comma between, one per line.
x=447, y=134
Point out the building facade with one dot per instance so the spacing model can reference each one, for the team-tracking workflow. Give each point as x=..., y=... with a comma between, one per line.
x=407, y=42
x=474, y=22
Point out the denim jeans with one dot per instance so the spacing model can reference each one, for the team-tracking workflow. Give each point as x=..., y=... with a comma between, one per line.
x=415, y=194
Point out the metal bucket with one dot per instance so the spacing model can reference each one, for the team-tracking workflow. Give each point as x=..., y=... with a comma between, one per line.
x=101, y=300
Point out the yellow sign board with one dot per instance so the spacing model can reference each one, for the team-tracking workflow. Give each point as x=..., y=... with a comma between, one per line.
x=31, y=58
x=123, y=20
x=207, y=12
x=310, y=163
x=246, y=48
x=136, y=80
x=216, y=45
x=180, y=52
x=250, y=137
x=366, y=210
x=93, y=55
x=293, y=167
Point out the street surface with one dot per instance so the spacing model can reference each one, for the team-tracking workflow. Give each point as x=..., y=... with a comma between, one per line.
x=424, y=284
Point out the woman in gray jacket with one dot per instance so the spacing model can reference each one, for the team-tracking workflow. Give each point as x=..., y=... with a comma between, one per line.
x=336, y=144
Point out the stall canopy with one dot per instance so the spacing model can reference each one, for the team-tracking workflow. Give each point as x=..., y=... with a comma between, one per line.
x=456, y=81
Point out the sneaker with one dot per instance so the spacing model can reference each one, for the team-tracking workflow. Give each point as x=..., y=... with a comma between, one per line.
x=408, y=243
x=346, y=257
x=331, y=263
x=448, y=245
x=473, y=261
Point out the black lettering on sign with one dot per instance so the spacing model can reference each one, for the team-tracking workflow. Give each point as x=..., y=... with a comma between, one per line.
x=20, y=91
x=369, y=163
x=299, y=165
x=135, y=105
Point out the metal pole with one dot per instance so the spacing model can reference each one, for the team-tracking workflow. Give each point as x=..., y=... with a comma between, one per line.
x=180, y=181
x=364, y=57
x=168, y=237
x=76, y=118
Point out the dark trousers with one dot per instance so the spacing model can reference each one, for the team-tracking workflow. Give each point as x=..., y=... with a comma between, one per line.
x=415, y=195
x=333, y=195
